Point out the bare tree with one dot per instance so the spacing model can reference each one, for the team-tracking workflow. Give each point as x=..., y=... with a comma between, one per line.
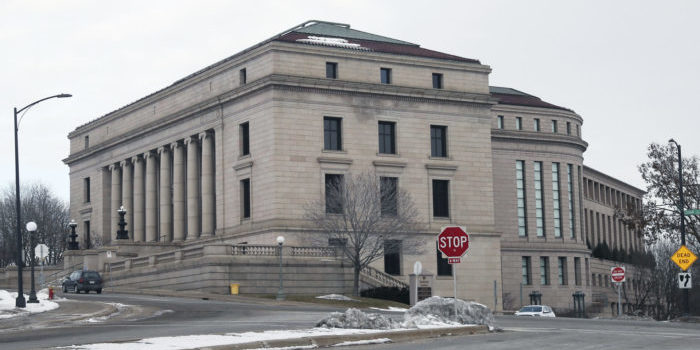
x=40, y=205
x=662, y=214
x=364, y=215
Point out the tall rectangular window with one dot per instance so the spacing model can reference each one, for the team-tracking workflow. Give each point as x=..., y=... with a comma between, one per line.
x=580, y=192
x=437, y=81
x=86, y=141
x=245, y=198
x=332, y=134
x=392, y=257
x=544, y=270
x=537, y=124
x=441, y=203
x=385, y=75
x=331, y=70
x=568, y=128
x=519, y=123
x=86, y=190
x=577, y=271
x=388, y=188
x=443, y=267
x=563, y=278
x=527, y=280
x=242, y=77
x=578, y=131
x=556, y=200
x=539, y=199
x=572, y=210
x=554, y=126
x=588, y=273
x=334, y=193
x=520, y=193
x=86, y=229
x=438, y=141
x=500, y=122
x=387, y=137
x=245, y=138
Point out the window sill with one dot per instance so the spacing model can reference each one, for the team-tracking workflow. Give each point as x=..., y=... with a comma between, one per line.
x=245, y=156
x=439, y=158
x=392, y=155
x=341, y=151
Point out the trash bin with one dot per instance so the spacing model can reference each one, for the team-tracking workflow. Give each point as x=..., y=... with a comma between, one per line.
x=234, y=288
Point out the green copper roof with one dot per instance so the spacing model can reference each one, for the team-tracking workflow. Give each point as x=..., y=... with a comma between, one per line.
x=343, y=31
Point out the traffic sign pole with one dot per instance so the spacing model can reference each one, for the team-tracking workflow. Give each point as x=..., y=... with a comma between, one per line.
x=454, y=285
x=619, y=300
x=453, y=241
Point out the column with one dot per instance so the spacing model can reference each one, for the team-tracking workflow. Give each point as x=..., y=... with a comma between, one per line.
x=151, y=197
x=128, y=196
x=192, y=188
x=166, y=219
x=208, y=206
x=115, y=197
x=139, y=228
x=178, y=191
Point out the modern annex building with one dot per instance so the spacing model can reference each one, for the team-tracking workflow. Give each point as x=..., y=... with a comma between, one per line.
x=232, y=154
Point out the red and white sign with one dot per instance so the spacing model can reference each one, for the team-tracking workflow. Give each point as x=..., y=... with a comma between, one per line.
x=617, y=274
x=453, y=241
x=454, y=260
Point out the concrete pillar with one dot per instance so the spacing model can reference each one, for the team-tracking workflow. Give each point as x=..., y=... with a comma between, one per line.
x=192, y=188
x=207, y=176
x=151, y=197
x=139, y=227
x=128, y=196
x=178, y=191
x=115, y=197
x=166, y=219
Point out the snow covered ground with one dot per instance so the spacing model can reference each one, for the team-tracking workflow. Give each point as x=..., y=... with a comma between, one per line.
x=8, y=309
x=199, y=341
x=335, y=297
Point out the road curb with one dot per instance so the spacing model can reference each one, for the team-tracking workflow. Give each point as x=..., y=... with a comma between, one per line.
x=330, y=340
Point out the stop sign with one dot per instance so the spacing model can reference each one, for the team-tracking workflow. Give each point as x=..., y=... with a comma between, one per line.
x=453, y=241
x=617, y=274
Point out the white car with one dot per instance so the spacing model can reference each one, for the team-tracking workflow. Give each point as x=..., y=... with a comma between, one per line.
x=536, y=310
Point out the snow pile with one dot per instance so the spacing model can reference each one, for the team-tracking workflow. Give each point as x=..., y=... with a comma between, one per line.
x=429, y=313
x=390, y=309
x=442, y=310
x=7, y=304
x=337, y=42
x=335, y=297
x=356, y=319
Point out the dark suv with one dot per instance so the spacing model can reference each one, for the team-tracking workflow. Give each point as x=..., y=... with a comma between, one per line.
x=83, y=280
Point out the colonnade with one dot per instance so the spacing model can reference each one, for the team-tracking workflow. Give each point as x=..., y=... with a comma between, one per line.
x=168, y=192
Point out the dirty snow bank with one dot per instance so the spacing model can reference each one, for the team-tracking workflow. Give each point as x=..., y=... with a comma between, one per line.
x=335, y=297
x=431, y=312
x=8, y=309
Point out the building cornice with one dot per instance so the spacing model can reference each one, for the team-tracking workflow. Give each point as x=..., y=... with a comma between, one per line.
x=531, y=137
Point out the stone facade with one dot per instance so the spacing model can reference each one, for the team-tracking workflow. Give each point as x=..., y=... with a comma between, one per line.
x=234, y=153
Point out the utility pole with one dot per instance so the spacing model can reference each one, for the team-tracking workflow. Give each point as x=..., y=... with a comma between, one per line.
x=686, y=310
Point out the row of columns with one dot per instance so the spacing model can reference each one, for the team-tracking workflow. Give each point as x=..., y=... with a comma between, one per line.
x=135, y=186
x=606, y=228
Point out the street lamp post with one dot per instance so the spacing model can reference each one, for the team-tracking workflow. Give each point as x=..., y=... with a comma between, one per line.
x=31, y=227
x=681, y=208
x=280, y=291
x=122, y=233
x=73, y=244
x=20, y=302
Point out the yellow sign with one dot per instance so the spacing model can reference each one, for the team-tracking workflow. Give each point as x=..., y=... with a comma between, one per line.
x=683, y=257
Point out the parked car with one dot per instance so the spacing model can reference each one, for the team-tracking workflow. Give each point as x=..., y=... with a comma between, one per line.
x=83, y=280
x=536, y=310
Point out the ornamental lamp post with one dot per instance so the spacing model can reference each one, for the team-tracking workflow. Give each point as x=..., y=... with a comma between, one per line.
x=31, y=227
x=20, y=302
x=681, y=208
x=122, y=233
x=280, y=291
x=73, y=244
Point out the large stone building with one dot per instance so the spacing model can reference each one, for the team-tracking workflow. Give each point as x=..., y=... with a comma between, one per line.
x=233, y=153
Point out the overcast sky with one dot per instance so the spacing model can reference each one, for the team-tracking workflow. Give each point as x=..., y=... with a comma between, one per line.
x=629, y=68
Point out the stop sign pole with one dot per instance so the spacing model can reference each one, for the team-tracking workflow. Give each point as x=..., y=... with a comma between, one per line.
x=617, y=275
x=453, y=241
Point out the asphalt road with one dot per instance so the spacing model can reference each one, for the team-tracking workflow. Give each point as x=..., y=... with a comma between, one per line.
x=160, y=316
x=143, y=316
x=564, y=333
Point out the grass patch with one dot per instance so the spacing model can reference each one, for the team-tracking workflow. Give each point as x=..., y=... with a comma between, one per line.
x=360, y=302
